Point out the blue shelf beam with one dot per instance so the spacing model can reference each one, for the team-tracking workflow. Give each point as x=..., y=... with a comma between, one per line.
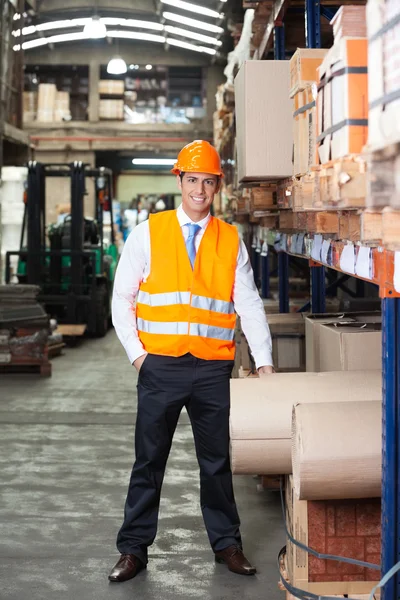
x=283, y=274
x=265, y=276
x=318, y=290
x=313, y=23
x=279, y=42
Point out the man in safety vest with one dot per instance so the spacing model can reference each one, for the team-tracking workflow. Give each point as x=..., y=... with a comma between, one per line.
x=182, y=277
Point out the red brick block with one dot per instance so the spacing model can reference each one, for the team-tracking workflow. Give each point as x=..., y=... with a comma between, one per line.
x=349, y=548
x=373, y=544
x=317, y=525
x=369, y=517
x=316, y=566
x=372, y=574
x=330, y=521
x=350, y=578
x=345, y=520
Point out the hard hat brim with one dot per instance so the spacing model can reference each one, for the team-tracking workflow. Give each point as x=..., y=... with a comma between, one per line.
x=176, y=171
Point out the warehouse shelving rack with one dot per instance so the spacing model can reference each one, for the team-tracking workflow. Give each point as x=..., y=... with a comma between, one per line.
x=381, y=269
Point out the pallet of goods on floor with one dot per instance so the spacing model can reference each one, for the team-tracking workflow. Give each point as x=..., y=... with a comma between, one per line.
x=24, y=331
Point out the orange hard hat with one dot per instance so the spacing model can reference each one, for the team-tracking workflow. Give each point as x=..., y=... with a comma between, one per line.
x=198, y=157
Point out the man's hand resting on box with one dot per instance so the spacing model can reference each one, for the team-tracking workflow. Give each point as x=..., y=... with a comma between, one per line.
x=266, y=371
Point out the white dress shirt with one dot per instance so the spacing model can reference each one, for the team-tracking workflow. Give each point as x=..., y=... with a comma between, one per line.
x=134, y=267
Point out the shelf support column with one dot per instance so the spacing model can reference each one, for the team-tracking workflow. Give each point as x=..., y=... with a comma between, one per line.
x=283, y=275
x=313, y=23
x=391, y=442
x=318, y=288
x=265, y=276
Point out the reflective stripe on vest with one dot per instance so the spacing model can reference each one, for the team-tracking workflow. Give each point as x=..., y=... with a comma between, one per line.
x=170, y=298
x=194, y=329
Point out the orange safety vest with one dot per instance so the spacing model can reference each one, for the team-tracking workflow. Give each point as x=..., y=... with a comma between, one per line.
x=180, y=309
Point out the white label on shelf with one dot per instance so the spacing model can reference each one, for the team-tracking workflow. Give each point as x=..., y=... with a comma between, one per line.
x=396, y=277
x=363, y=263
x=347, y=259
x=316, y=248
x=325, y=251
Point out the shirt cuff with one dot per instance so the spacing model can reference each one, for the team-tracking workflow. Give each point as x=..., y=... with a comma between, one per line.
x=134, y=350
x=263, y=359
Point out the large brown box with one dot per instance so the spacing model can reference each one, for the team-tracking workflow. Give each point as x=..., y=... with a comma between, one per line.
x=46, y=102
x=263, y=116
x=303, y=68
x=350, y=528
x=313, y=324
x=111, y=87
x=111, y=109
x=350, y=346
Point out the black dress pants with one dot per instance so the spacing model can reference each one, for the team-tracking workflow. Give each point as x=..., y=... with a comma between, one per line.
x=167, y=384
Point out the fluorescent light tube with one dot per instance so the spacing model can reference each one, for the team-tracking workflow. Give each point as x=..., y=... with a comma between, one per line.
x=192, y=22
x=167, y=162
x=193, y=35
x=132, y=23
x=188, y=46
x=136, y=35
x=200, y=10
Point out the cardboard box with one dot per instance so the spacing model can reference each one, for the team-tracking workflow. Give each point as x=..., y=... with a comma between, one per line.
x=313, y=323
x=348, y=528
x=305, y=153
x=384, y=72
x=263, y=197
x=349, y=21
x=111, y=109
x=46, y=102
x=61, y=108
x=288, y=342
x=111, y=87
x=350, y=346
x=342, y=101
x=263, y=115
x=303, y=68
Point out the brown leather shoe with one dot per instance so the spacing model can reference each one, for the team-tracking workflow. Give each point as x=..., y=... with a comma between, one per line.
x=235, y=560
x=126, y=568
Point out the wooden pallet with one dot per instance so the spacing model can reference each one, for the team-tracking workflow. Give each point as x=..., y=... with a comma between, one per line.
x=43, y=368
x=55, y=349
x=383, y=188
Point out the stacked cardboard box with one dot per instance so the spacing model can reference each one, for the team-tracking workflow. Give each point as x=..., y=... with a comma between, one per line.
x=314, y=342
x=303, y=77
x=30, y=106
x=384, y=72
x=263, y=197
x=46, y=102
x=111, y=109
x=350, y=528
x=342, y=101
x=111, y=87
x=61, y=108
x=349, y=21
x=263, y=114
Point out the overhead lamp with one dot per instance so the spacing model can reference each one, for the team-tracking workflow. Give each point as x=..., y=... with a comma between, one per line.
x=136, y=35
x=161, y=162
x=192, y=22
x=193, y=35
x=132, y=23
x=95, y=29
x=181, y=44
x=200, y=10
x=117, y=66
x=149, y=67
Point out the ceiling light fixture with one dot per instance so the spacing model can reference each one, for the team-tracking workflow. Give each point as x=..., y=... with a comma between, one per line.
x=136, y=35
x=66, y=23
x=95, y=29
x=117, y=66
x=132, y=23
x=188, y=46
x=192, y=22
x=200, y=10
x=193, y=35
x=167, y=162
x=149, y=67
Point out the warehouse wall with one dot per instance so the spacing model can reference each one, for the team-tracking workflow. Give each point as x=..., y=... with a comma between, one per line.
x=128, y=186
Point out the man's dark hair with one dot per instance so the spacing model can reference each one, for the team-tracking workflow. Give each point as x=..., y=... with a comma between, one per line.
x=181, y=174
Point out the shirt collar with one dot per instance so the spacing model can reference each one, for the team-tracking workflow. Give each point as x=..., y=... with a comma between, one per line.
x=183, y=219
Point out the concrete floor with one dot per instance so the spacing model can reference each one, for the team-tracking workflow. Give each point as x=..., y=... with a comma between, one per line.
x=66, y=451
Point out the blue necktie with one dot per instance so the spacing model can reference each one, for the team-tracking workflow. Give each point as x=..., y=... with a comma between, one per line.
x=190, y=246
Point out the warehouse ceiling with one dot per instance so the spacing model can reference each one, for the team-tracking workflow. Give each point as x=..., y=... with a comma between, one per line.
x=200, y=26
